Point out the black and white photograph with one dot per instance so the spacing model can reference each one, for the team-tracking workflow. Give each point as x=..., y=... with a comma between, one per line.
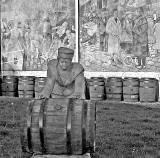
x=80, y=79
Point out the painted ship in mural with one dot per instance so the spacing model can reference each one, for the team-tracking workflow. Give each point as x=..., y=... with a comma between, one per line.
x=32, y=32
x=120, y=35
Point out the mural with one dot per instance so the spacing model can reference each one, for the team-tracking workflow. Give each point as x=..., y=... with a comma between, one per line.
x=33, y=30
x=120, y=35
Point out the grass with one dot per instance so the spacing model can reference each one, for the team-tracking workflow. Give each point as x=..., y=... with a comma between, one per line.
x=12, y=114
x=122, y=130
x=127, y=131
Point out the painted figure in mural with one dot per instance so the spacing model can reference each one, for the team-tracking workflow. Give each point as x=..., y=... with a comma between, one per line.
x=5, y=33
x=140, y=38
x=16, y=38
x=46, y=49
x=3, y=25
x=36, y=41
x=61, y=30
x=102, y=30
x=89, y=31
x=14, y=48
x=64, y=78
x=26, y=34
x=151, y=37
x=156, y=46
x=69, y=39
x=47, y=28
x=126, y=37
x=114, y=30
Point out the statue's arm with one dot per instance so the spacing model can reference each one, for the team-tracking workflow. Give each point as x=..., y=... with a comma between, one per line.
x=80, y=86
x=48, y=88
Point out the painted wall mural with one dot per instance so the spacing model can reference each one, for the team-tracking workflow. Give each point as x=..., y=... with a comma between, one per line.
x=114, y=35
x=33, y=30
x=120, y=35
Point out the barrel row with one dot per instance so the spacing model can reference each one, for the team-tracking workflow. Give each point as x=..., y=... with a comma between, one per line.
x=127, y=89
x=24, y=86
x=98, y=88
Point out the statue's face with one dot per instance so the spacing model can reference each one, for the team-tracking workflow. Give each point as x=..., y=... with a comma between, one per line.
x=65, y=63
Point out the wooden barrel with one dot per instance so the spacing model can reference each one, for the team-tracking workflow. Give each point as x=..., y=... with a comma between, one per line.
x=149, y=90
x=39, y=85
x=97, y=88
x=26, y=87
x=114, y=88
x=10, y=86
x=56, y=126
x=131, y=89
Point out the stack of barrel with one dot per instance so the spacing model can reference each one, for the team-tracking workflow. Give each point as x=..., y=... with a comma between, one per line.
x=22, y=86
x=129, y=89
x=14, y=86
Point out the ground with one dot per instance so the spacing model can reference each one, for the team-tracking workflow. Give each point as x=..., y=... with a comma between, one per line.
x=123, y=130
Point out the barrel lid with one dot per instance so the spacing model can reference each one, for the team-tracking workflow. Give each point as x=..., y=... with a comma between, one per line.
x=114, y=79
x=10, y=77
x=131, y=78
x=96, y=79
x=148, y=79
x=26, y=77
x=96, y=83
x=40, y=78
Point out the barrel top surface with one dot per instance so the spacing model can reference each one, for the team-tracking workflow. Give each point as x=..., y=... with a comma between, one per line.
x=114, y=79
x=131, y=78
x=148, y=79
x=26, y=77
x=96, y=83
x=40, y=78
x=9, y=77
x=96, y=79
